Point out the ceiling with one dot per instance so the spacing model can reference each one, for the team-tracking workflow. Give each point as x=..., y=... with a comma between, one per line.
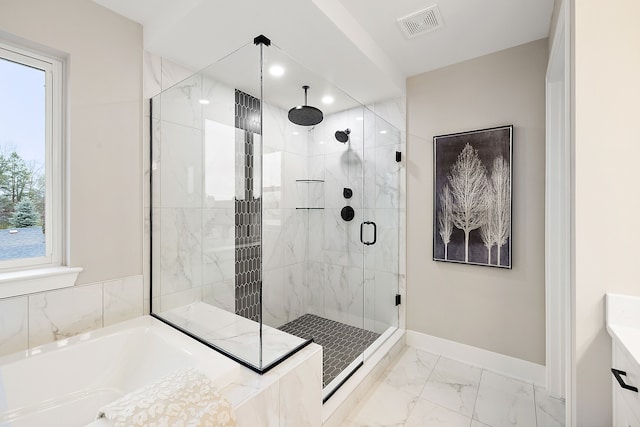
x=354, y=44
x=471, y=29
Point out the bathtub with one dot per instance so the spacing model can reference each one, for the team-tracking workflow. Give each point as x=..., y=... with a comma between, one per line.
x=65, y=383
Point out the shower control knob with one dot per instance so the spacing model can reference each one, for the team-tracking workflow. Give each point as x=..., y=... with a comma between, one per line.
x=347, y=213
x=347, y=193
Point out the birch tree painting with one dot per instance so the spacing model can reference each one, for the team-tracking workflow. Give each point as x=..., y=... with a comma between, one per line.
x=445, y=220
x=472, y=197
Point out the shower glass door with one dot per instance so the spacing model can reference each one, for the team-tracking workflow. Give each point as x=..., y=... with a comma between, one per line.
x=380, y=237
x=313, y=198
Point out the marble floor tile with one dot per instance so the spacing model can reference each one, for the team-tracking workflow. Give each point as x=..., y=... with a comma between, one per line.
x=424, y=389
x=453, y=385
x=549, y=410
x=428, y=414
x=385, y=406
x=504, y=401
x=411, y=371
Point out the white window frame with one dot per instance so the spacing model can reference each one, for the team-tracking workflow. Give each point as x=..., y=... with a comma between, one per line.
x=29, y=275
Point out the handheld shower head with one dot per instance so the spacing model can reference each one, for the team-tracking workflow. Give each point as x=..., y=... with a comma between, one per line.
x=343, y=135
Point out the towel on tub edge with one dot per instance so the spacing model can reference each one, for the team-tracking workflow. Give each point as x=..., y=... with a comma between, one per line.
x=185, y=398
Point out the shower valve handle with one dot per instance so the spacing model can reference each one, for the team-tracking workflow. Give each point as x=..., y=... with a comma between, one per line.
x=375, y=232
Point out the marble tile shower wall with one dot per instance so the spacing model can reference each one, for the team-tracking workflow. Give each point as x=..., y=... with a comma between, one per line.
x=37, y=319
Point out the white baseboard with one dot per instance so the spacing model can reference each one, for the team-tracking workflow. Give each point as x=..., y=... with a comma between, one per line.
x=496, y=362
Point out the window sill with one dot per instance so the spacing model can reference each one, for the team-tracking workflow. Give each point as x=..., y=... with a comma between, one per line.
x=37, y=280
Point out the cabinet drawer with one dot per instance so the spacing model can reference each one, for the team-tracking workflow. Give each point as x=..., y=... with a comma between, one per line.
x=623, y=416
x=623, y=362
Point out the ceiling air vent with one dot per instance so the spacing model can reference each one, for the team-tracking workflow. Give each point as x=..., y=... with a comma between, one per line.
x=421, y=22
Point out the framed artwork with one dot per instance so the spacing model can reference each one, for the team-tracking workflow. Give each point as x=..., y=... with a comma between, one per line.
x=472, y=197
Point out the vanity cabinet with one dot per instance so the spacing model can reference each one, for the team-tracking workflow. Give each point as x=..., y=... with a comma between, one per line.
x=622, y=414
x=626, y=401
x=623, y=324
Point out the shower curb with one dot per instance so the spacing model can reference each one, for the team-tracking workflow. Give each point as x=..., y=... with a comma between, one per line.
x=352, y=392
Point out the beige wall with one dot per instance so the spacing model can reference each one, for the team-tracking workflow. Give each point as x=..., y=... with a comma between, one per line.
x=606, y=131
x=105, y=79
x=498, y=310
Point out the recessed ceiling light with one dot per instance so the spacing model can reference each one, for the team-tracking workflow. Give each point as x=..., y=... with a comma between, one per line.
x=204, y=101
x=276, y=70
x=320, y=142
x=327, y=100
x=359, y=118
x=383, y=132
x=295, y=133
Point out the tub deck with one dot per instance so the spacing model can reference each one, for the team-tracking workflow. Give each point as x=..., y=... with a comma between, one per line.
x=66, y=382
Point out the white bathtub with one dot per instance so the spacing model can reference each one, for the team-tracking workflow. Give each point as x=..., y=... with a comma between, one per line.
x=65, y=383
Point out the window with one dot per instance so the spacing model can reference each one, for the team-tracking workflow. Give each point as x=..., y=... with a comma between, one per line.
x=31, y=168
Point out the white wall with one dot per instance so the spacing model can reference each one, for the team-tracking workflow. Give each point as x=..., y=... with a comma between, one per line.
x=606, y=128
x=494, y=309
x=104, y=57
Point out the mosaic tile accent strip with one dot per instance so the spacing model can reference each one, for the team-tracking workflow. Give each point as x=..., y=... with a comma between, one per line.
x=248, y=210
x=247, y=115
x=341, y=344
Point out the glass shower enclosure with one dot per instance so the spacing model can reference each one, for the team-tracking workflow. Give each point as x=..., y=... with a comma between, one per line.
x=268, y=235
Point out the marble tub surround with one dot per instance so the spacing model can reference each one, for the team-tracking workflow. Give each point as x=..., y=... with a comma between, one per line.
x=288, y=395
x=424, y=389
x=86, y=372
x=233, y=333
x=41, y=318
x=14, y=324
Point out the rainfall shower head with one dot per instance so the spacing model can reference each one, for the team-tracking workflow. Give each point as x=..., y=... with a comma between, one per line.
x=343, y=135
x=305, y=115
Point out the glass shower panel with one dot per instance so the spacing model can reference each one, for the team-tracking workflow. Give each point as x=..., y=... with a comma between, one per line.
x=268, y=235
x=207, y=211
x=313, y=199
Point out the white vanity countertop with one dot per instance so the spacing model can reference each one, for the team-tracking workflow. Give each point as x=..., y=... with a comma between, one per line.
x=623, y=322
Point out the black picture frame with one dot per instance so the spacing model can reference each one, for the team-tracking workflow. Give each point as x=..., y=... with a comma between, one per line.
x=472, y=197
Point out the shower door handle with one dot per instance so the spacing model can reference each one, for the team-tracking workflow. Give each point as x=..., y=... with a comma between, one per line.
x=375, y=232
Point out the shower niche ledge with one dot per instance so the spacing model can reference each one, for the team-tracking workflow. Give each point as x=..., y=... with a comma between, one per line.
x=312, y=194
